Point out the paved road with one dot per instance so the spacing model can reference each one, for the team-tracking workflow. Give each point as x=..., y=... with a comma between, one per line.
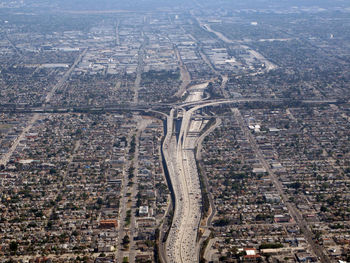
x=65, y=77
x=143, y=123
x=119, y=251
x=6, y=157
x=185, y=75
x=117, y=37
x=199, y=157
x=139, y=70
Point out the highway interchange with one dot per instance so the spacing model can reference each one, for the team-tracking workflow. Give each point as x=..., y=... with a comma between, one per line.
x=179, y=152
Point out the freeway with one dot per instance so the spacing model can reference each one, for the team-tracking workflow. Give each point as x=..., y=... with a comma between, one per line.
x=182, y=243
x=269, y=65
x=185, y=75
x=13, y=108
x=180, y=159
x=217, y=123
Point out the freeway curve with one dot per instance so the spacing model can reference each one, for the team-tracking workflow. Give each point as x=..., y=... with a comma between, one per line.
x=180, y=159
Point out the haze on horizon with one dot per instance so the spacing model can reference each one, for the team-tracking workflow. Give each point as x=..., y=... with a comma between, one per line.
x=151, y=5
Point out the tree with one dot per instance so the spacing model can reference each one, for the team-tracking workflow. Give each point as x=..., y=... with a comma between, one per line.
x=78, y=131
x=126, y=240
x=323, y=209
x=99, y=201
x=49, y=224
x=14, y=246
